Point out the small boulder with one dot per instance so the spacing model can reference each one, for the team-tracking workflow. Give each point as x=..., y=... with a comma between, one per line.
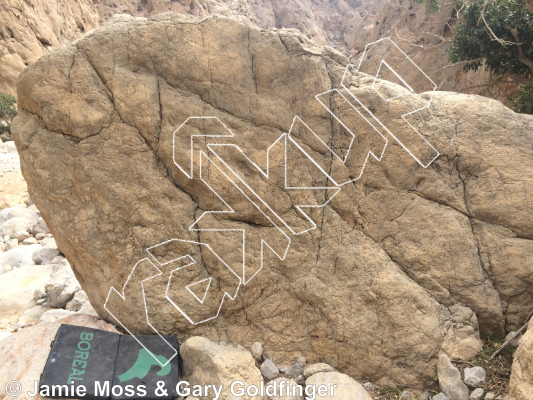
x=16, y=224
x=40, y=236
x=77, y=302
x=62, y=285
x=257, y=351
x=477, y=394
x=440, y=396
x=31, y=316
x=18, y=286
x=45, y=255
x=347, y=388
x=18, y=211
x=20, y=236
x=474, y=376
x=450, y=379
x=269, y=370
x=208, y=363
x=19, y=256
x=295, y=370
x=39, y=227
x=30, y=240
x=87, y=308
x=322, y=367
x=57, y=259
x=55, y=315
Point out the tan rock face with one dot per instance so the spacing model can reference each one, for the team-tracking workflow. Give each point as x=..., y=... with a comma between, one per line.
x=24, y=353
x=521, y=384
x=403, y=263
x=30, y=29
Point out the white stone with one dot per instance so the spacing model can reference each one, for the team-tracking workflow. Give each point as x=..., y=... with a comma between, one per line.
x=45, y=255
x=477, y=394
x=17, y=288
x=16, y=224
x=320, y=367
x=87, y=308
x=54, y=315
x=474, y=376
x=347, y=388
x=257, y=351
x=77, y=302
x=19, y=256
x=39, y=227
x=450, y=379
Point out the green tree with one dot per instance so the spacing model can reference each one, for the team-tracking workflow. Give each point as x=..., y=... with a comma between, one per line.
x=523, y=101
x=432, y=6
x=8, y=111
x=497, y=34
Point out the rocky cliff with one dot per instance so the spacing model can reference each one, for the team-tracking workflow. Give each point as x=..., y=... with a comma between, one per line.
x=378, y=277
x=30, y=28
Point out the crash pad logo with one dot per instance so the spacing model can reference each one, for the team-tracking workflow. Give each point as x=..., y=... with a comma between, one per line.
x=200, y=279
x=143, y=365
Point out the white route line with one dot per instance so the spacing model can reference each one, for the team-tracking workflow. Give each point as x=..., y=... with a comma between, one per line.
x=230, y=211
x=226, y=294
x=267, y=175
x=191, y=174
x=123, y=297
x=188, y=287
x=404, y=115
x=285, y=137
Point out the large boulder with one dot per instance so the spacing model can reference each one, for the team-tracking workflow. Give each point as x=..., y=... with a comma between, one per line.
x=25, y=352
x=391, y=256
x=521, y=385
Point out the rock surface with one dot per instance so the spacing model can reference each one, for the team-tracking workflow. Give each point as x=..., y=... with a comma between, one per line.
x=208, y=363
x=347, y=388
x=477, y=394
x=521, y=385
x=295, y=370
x=316, y=368
x=394, y=253
x=257, y=351
x=474, y=376
x=24, y=353
x=347, y=24
x=450, y=379
x=268, y=369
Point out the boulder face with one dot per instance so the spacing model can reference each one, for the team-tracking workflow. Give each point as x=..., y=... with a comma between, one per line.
x=400, y=265
x=521, y=384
